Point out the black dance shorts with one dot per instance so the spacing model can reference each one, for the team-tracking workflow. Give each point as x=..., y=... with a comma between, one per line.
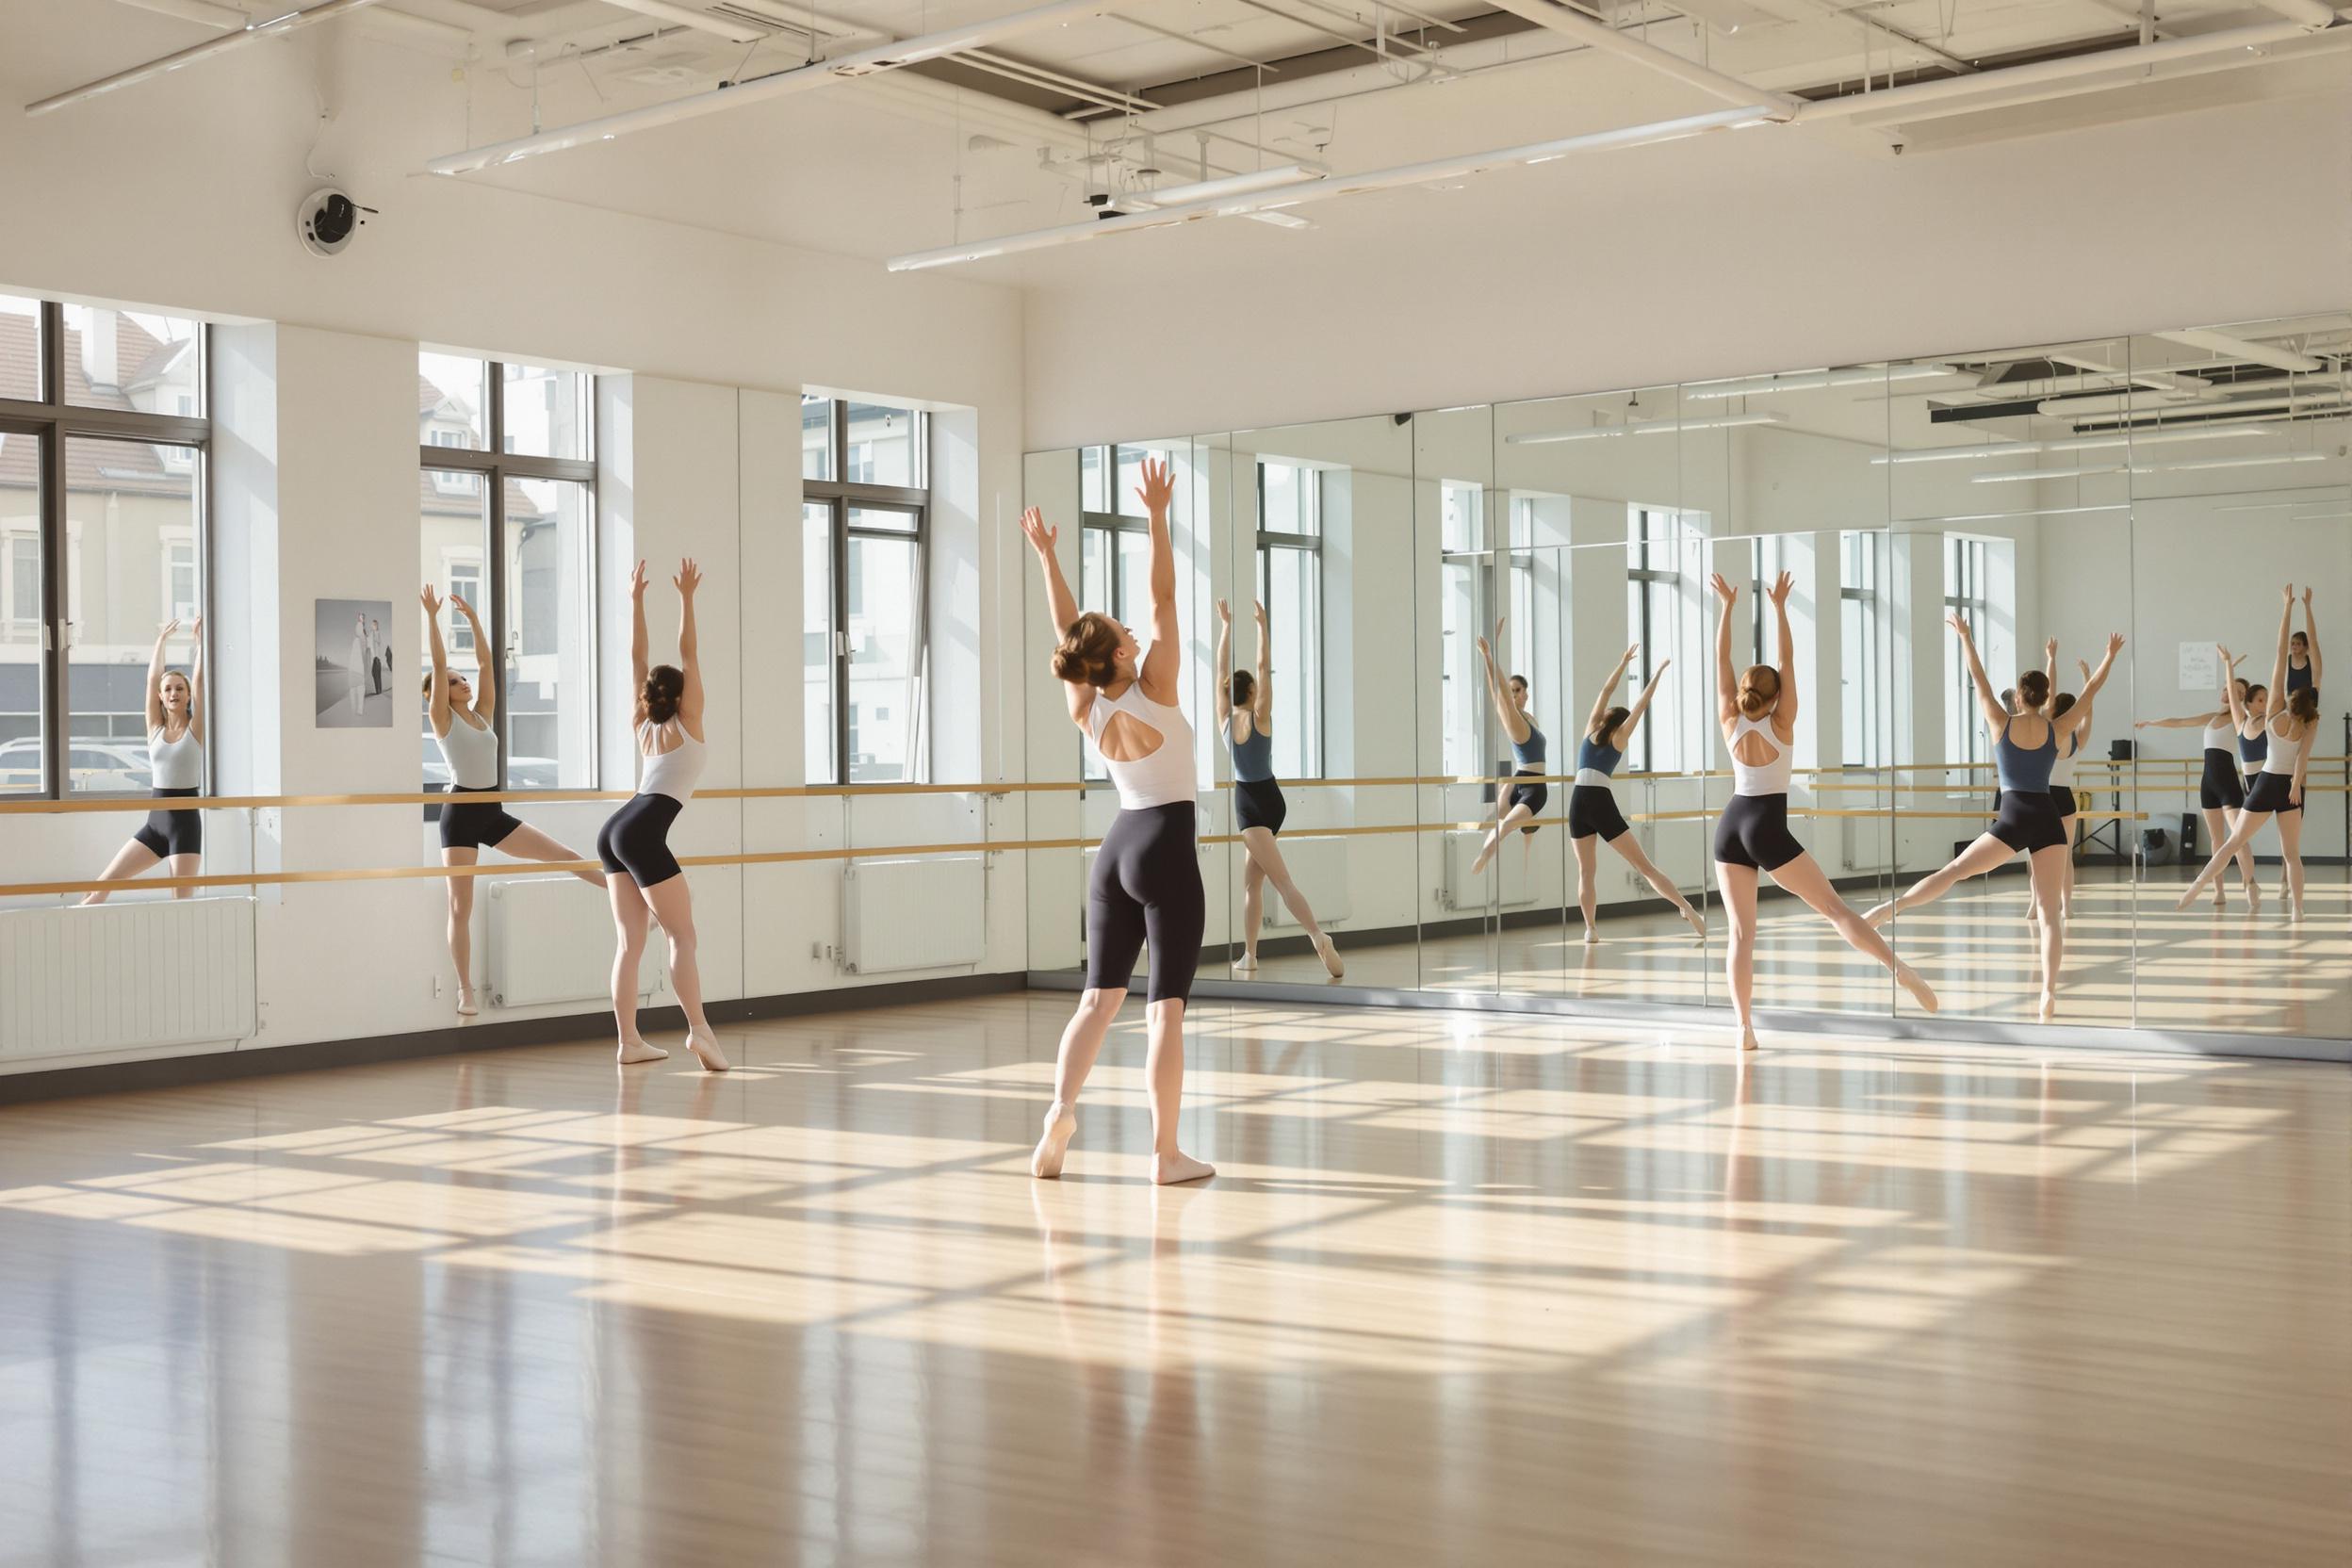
x=2220, y=786
x=635, y=840
x=2270, y=793
x=2028, y=820
x=1533, y=796
x=2061, y=796
x=1594, y=809
x=169, y=833
x=1754, y=831
x=479, y=825
x=1259, y=803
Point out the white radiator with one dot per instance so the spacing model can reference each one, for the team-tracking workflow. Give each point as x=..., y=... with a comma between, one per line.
x=1320, y=866
x=1468, y=889
x=915, y=913
x=1867, y=842
x=550, y=939
x=116, y=976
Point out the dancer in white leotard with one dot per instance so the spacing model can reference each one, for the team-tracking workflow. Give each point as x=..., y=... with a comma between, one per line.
x=2278, y=792
x=175, y=761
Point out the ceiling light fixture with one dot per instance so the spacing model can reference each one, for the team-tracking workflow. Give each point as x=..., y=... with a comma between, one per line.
x=1809, y=380
x=2149, y=468
x=1653, y=427
x=2067, y=444
x=2007, y=517
x=2239, y=348
x=273, y=27
x=1644, y=135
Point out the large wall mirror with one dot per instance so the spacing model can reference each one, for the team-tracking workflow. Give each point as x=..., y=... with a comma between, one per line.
x=1456, y=679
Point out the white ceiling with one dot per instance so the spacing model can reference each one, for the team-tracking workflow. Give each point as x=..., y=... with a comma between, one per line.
x=882, y=165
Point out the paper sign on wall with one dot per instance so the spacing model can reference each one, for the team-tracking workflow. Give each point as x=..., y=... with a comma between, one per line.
x=2200, y=667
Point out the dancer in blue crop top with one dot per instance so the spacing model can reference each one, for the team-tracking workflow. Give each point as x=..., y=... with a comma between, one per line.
x=2026, y=745
x=1245, y=710
x=1515, y=805
x=1593, y=817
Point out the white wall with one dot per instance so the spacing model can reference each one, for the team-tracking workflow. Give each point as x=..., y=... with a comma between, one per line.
x=1715, y=256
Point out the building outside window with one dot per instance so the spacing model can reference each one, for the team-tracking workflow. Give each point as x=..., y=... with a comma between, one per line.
x=864, y=531
x=507, y=522
x=103, y=437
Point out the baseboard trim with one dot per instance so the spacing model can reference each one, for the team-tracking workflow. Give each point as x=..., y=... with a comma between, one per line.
x=1845, y=1025
x=164, y=1073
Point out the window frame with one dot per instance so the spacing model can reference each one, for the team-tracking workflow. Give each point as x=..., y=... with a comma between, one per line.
x=843, y=497
x=1865, y=554
x=492, y=466
x=51, y=422
x=1111, y=524
x=1310, y=480
x=1967, y=566
x=1641, y=550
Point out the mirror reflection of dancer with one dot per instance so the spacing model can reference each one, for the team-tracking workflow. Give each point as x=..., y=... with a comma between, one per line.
x=175, y=761
x=2277, y=791
x=2220, y=793
x=1146, y=884
x=2062, y=773
x=1593, y=817
x=1757, y=712
x=465, y=726
x=1245, y=710
x=1515, y=805
x=2027, y=745
x=641, y=875
x=2303, y=661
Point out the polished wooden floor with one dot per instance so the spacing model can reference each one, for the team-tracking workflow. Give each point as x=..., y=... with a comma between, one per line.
x=1468, y=1289
x=2131, y=959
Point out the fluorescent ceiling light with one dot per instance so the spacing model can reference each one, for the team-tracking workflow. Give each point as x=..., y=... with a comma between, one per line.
x=193, y=10
x=783, y=83
x=2150, y=468
x=2238, y=348
x=2069, y=444
x=1646, y=134
x=1278, y=219
x=1653, y=427
x=1807, y=381
x=687, y=16
x=1244, y=184
x=2139, y=400
x=2004, y=517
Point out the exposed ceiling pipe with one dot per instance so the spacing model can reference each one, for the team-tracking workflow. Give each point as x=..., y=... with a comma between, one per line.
x=275, y=26
x=687, y=16
x=783, y=83
x=201, y=11
x=1576, y=25
x=2239, y=348
x=1891, y=101
x=1343, y=185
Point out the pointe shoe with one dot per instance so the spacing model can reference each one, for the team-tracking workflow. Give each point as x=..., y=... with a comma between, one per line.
x=632, y=1052
x=1327, y=951
x=2188, y=898
x=704, y=1045
x=1169, y=1169
x=1061, y=1123
x=467, y=1007
x=1908, y=978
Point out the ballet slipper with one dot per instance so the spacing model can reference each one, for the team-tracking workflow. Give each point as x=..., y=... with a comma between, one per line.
x=467, y=1006
x=1327, y=951
x=1908, y=978
x=1747, y=1040
x=1061, y=1123
x=1698, y=922
x=704, y=1045
x=1170, y=1168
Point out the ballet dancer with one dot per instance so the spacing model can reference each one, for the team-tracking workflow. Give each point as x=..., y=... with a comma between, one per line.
x=2278, y=790
x=1593, y=817
x=1757, y=713
x=2026, y=744
x=1515, y=805
x=2303, y=653
x=175, y=763
x=2220, y=792
x=641, y=873
x=2062, y=779
x=464, y=727
x=1245, y=708
x=1146, y=884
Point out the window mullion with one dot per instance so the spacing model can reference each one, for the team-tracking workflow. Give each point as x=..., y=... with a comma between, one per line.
x=58, y=729
x=841, y=770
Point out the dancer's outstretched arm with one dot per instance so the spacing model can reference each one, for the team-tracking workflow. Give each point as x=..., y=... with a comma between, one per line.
x=687, y=580
x=1224, y=662
x=437, y=701
x=2311, y=635
x=1061, y=608
x=1784, y=713
x=2049, y=673
x=1641, y=706
x=486, y=658
x=155, y=675
x=1726, y=683
x=1506, y=712
x=2076, y=717
x=1987, y=700
x=1261, y=701
x=196, y=683
x=638, y=648
x=1164, y=662
x=1609, y=688
x=2279, y=663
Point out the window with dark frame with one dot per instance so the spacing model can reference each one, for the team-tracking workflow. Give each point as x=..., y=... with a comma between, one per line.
x=1862, y=633
x=508, y=458
x=1113, y=548
x=1652, y=584
x=1290, y=585
x=102, y=420
x=865, y=534
x=1964, y=592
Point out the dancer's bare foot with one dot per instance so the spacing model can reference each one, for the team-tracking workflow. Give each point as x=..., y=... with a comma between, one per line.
x=1879, y=915
x=640, y=1051
x=1327, y=951
x=1747, y=1040
x=2050, y=1006
x=2190, y=897
x=2253, y=898
x=1698, y=922
x=1170, y=1168
x=1908, y=978
x=1486, y=852
x=1061, y=1122
x=704, y=1045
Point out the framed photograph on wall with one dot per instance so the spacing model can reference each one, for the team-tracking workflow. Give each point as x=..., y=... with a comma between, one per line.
x=353, y=664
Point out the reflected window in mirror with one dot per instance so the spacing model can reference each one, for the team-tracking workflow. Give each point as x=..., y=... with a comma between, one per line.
x=1114, y=546
x=1462, y=690
x=1290, y=585
x=1862, y=632
x=1654, y=614
x=1967, y=591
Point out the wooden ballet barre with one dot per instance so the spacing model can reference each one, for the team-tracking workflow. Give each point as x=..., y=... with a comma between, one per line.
x=546, y=797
